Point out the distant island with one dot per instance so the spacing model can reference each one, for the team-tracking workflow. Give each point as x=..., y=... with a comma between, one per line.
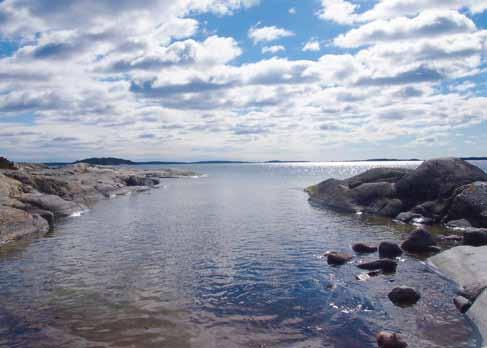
x=113, y=161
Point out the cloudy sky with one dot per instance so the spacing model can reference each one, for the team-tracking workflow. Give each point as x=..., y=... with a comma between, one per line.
x=242, y=79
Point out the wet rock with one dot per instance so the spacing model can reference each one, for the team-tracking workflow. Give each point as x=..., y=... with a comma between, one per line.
x=462, y=223
x=134, y=180
x=452, y=238
x=16, y=223
x=389, y=250
x=404, y=296
x=386, y=265
x=475, y=237
x=463, y=304
x=335, y=258
x=408, y=216
x=363, y=248
x=366, y=276
x=419, y=241
x=390, y=340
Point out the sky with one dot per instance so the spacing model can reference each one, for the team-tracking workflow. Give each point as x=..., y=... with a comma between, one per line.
x=194, y=80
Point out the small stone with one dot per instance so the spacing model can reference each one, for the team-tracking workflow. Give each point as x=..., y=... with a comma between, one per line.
x=462, y=223
x=390, y=340
x=404, y=296
x=389, y=250
x=463, y=304
x=386, y=265
x=334, y=258
x=362, y=248
x=419, y=241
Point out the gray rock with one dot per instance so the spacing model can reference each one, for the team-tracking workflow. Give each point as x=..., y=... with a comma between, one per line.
x=363, y=248
x=335, y=258
x=404, y=296
x=465, y=265
x=408, y=216
x=420, y=241
x=389, y=250
x=55, y=204
x=386, y=265
x=463, y=304
x=472, y=291
x=462, y=223
x=334, y=194
x=390, y=340
x=16, y=224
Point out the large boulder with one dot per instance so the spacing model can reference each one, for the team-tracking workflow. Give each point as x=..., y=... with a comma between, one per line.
x=437, y=179
x=372, y=191
x=6, y=164
x=471, y=204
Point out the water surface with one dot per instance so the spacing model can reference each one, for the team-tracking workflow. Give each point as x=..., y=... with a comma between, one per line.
x=232, y=259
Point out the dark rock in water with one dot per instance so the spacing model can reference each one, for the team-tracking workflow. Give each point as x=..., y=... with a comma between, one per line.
x=334, y=258
x=134, y=180
x=389, y=250
x=438, y=190
x=390, y=340
x=404, y=296
x=471, y=204
x=463, y=304
x=462, y=223
x=419, y=241
x=364, y=248
x=475, y=237
x=386, y=265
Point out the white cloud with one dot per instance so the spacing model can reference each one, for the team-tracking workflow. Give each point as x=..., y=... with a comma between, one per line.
x=427, y=24
x=268, y=33
x=312, y=45
x=292, y=11
x=340, y=11
x=273, y=49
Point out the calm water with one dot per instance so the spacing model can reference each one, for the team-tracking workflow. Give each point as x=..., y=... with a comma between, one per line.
x=228, y=260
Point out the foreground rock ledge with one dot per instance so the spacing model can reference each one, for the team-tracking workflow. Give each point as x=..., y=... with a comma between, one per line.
x=466, y=266
x=32, y=196
x=438, y=191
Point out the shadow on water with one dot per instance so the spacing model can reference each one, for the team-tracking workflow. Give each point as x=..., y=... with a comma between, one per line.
x=230, y=260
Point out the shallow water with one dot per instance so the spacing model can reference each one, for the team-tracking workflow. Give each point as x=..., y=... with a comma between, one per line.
x=232, y=259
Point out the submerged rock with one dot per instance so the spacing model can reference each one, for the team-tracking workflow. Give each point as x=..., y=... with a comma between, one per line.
x=404, y=296
x=390, y=340
x=420, y=241
x=335, y=258
x=386, y=265
x=363, y=248
x=389, y=250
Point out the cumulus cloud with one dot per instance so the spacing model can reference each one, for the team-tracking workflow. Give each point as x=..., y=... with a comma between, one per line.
x=312, y=45
x=155, y=82
x=268, y=33
x=273, y=49
x=426, y=24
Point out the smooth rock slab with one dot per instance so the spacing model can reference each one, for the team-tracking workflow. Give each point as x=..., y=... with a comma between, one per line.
x=467, y=266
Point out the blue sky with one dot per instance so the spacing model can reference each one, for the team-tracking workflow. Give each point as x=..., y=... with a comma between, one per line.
x=242, y=79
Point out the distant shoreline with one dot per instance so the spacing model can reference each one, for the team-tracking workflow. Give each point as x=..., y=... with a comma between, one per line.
x=117, y=161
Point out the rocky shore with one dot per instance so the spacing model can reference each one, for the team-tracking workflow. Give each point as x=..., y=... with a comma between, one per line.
x=34, y=196
x=447, y=191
